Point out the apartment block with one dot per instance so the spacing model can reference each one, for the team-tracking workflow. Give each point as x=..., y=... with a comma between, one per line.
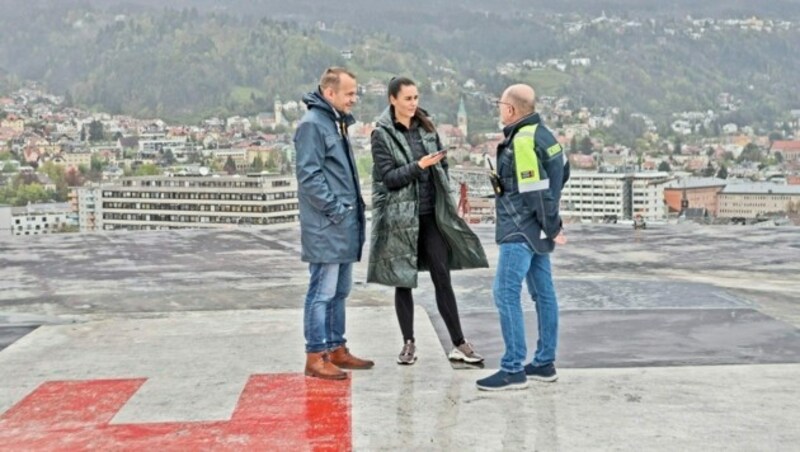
x=85, y=203
x=178, y=202
x=595, y=197
x=35, y=219
x=757, y=199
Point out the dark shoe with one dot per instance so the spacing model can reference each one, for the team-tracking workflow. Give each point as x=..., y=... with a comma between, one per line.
x=408, y=354
x=342, y=358
x=466, y=353
x=502, y=381
x=541, y=373
x=319, y=365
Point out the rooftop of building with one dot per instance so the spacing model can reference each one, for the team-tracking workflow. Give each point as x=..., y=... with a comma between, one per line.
x=696, y=182
x=622, y=175
x=675, y=337
x=42, y=208
x=762, y=188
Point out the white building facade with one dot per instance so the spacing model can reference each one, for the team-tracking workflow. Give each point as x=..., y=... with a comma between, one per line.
x=35, y=219
x=597, y=197
x=85, y=202
x=757, y=199
x=164, y=202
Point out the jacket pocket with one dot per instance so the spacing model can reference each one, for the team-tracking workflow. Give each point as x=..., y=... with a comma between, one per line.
x=332, y=141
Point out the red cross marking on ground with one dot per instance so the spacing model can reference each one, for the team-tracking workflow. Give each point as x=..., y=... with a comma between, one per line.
x=274, y=412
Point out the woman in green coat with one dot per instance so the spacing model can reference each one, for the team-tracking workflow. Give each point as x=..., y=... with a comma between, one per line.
x=415, y=225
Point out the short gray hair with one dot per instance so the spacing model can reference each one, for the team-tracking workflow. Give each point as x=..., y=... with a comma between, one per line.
x=332, y=76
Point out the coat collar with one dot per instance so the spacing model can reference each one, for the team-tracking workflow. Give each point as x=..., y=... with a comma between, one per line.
x=315, y=99
x=511, y=129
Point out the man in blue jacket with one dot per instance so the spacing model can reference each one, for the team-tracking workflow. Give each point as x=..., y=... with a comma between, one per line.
x=531, y=171
x=331, y=221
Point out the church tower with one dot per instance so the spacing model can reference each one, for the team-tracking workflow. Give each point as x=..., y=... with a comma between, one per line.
x=278, y=111
x=462, y=118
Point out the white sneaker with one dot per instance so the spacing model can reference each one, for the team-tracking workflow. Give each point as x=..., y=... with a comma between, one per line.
x=466, y=353
x=408, y=355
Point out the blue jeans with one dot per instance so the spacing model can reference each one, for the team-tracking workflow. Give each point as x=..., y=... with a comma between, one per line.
x=323, y=316
x=517, y=261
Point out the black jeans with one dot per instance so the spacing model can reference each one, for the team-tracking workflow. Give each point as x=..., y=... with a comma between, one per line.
x=432, y=250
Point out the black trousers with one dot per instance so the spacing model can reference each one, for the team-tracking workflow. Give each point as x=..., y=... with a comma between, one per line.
x=432, y=250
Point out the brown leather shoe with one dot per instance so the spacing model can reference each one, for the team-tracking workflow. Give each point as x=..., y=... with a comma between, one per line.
x=319, y=365
x=342, y=358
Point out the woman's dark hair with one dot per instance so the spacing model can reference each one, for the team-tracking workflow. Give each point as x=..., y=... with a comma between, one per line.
x=395, y=85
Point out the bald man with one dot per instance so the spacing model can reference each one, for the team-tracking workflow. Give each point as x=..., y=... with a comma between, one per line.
x=532, y=169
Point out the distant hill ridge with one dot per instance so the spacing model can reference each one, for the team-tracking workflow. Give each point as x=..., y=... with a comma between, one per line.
x=135, y=57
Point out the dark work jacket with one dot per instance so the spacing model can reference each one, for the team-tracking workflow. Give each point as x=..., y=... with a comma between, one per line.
x=532, y=216
x=395, y=210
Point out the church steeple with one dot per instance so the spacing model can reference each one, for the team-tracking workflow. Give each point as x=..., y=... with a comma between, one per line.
x=278, y=107
x=462, y=118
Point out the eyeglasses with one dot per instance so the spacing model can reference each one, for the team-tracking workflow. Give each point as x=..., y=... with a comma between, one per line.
x=498, y=103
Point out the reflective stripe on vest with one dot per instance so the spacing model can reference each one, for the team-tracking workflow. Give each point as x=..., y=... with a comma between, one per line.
x=526, y=161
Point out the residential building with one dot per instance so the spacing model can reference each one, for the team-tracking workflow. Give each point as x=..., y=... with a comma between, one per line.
x=76, y=159
x=14, y=123
x=169, y=202
x=238, y=155
x=35, y=219
x=84, y=202
x=790, y=150
x=596, y=197
x=694, y=192
x=153, y=148
x=753, y=200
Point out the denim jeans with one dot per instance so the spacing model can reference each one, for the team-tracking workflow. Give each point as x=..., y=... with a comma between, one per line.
x=323, y=317
x=517, y=261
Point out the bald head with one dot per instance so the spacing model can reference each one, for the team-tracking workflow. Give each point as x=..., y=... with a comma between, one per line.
x=522, y=97
x=517, y=102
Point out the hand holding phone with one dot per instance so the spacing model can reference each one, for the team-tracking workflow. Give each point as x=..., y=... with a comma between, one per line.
x=431, y=159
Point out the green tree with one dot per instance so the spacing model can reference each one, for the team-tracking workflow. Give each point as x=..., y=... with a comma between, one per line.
x=93, y=172
x=258, y=164
x=272, y=162
x=586, y=147
x=664, y=166
x=30, y=193
x=96, y=131
x=168, y=158
x=775, y=136
x=678, y=147
x=53, y=171
x=750, y=153
x=709, y=170
x=723, y=172
x=230, y=165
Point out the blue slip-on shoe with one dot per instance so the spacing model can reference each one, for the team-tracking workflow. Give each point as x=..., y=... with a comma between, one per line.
x=545, y=373
x=502, y=381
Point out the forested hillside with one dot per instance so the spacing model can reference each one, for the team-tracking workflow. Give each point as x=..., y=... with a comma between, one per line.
x=140, y=58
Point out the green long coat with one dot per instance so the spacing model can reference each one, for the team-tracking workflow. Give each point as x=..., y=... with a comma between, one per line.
x=395, y=216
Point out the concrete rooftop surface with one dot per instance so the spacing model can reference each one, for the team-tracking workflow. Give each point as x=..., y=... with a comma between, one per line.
x=678, y=337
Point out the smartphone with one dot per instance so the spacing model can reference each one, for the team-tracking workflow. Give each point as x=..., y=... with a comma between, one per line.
x=443, y=152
